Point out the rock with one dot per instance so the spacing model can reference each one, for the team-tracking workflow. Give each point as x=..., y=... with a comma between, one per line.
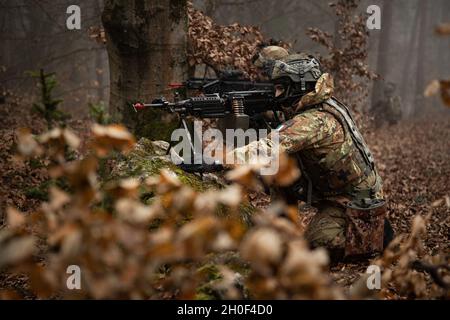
x=149, y=157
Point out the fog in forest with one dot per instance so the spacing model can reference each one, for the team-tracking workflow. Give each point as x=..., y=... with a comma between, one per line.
x=405, y=52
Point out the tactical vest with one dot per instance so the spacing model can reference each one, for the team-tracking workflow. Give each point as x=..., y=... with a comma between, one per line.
x=357, y=164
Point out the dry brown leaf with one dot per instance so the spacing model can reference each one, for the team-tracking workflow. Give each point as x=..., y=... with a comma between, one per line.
x=58, y=198
x=244, y=175
x=437, y=203
x=432, y=88
x=59, y=138
x=27, y=144
x=443, y=29
x=447, y=201
x=15, y=250
x=418, y=226
x=230, y=196
x=14, y=217
x=263, y=248
x=72, y=243
x=197, y=228
x=112, y=137
x=445, y=92
x=125, y=188
x=166, y=181
x=135, y=212
x=287, y=173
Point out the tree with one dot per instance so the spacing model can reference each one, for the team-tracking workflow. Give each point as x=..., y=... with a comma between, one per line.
x=146, y=43
x=383, y=50
x=347, y=56
x=421, y=53
x=408, y=61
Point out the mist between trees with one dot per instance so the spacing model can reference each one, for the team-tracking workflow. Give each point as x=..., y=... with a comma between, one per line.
x=405, y=52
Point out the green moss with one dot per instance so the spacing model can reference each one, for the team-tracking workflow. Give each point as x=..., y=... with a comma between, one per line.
x=143, y=163
x=35, y=163
x=247, y=210
x=210, y=274
x=194, y=181
x=40, y=192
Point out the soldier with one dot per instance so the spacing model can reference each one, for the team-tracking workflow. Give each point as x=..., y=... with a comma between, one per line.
x=342, y=181
x=388, y=109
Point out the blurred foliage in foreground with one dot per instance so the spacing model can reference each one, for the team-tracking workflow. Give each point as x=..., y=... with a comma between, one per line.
x=168, y=245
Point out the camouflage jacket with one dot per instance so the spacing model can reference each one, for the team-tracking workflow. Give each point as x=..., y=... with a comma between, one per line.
x=321, y=140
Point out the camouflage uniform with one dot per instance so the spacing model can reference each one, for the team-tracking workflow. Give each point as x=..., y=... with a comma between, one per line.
x=321, y=140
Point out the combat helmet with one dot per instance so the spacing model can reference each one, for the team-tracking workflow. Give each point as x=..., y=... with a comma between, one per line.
x=302, y=69
x=267, y=54
x=297, y=74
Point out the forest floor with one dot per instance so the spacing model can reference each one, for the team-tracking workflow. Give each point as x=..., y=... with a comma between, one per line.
x=412, y=157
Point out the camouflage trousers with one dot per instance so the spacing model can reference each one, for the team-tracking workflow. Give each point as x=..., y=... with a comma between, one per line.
x=327, y=229
x=346, y=233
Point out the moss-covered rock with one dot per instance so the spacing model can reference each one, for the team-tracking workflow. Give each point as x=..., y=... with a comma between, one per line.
x=149, y=157
x=209, y=271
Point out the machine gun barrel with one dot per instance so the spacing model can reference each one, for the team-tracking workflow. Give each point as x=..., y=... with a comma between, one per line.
x=163, y=105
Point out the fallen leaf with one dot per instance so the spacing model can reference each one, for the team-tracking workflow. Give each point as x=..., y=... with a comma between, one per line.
x=443, y=29
x=14, y=217
x=16, y=250
x=134, y=211
x=432, y=88
x=263, y=248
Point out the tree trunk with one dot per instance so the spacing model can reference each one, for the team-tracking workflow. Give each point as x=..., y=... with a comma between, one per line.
x=407, y=84
x=146, y=42
x=383, y=50
x=420, y=80
x=443, y=49
x=99, y=60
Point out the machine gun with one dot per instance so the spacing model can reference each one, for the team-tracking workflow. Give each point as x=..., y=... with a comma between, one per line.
x=217, y=105
x=233, y=109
